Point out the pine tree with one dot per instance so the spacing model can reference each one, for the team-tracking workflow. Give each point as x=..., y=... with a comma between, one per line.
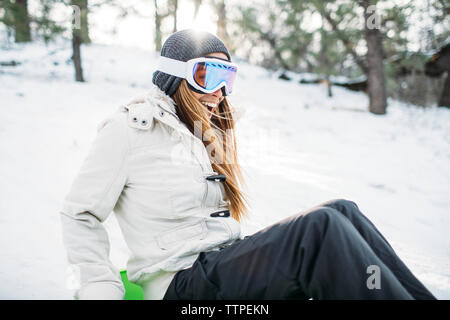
x=46, y=28
x=298, y=42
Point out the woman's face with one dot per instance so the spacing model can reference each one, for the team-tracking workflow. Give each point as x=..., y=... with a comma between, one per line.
x=211, y=100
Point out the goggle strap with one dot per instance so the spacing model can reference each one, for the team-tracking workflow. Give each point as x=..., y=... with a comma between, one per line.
x=171, y=66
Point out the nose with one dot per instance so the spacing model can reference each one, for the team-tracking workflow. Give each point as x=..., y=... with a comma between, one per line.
x=218, y=93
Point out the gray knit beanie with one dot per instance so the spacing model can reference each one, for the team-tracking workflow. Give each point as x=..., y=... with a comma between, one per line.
x=185, y=45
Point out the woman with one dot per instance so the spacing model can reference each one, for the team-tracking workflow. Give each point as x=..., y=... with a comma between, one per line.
x=166, y=163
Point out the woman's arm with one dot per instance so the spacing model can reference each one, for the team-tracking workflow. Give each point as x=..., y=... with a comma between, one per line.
x=89, y=202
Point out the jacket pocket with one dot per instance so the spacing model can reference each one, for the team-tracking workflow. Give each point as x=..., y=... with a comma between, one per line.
x=177, y=236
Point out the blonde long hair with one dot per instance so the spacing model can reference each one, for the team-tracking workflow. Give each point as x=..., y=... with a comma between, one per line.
x=220, y=135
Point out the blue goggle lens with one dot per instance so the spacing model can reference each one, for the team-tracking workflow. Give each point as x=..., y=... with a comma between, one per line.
x=209, y=75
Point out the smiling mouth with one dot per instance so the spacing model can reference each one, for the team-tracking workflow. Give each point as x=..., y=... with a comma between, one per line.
x=209, y=106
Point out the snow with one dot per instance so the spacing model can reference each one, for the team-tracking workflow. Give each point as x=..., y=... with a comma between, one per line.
x=297, y=147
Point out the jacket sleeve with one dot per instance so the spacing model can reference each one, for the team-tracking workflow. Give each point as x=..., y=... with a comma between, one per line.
x=90, y=200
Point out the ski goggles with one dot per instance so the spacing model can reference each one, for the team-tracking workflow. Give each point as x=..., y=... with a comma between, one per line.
x=204, y=74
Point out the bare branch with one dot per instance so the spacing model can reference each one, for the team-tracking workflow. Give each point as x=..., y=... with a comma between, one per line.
x=342, y=36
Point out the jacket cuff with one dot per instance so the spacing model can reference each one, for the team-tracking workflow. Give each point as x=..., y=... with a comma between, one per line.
x=100, y=291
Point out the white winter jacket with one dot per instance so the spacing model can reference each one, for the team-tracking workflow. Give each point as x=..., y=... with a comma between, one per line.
x=148, y=168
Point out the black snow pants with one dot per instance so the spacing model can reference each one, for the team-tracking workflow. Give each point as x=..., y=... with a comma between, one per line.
x=331, y=251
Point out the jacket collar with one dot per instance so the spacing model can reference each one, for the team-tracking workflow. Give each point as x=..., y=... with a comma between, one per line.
x=143, y=110
x=157, y=95
x=155, y=105
x=164, y=109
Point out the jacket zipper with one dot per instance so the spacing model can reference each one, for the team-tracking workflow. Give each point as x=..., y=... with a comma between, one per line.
x=205, y=195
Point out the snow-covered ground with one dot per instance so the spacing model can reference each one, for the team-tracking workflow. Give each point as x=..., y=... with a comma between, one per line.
x=298, y=148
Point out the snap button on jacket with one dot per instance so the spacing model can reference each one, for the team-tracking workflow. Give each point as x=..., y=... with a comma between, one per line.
x=149, y=169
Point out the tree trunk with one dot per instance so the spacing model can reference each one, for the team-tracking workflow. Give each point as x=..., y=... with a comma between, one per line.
x=84, y=21
x=158, y=33
x=375, y=74
x=222, y=32
x=329, y=86
x=324, y=62
x=174, y=15
x=22, y=21
x=444, y=100
x=76, y=57
x=81, y=19
x=197, y=4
